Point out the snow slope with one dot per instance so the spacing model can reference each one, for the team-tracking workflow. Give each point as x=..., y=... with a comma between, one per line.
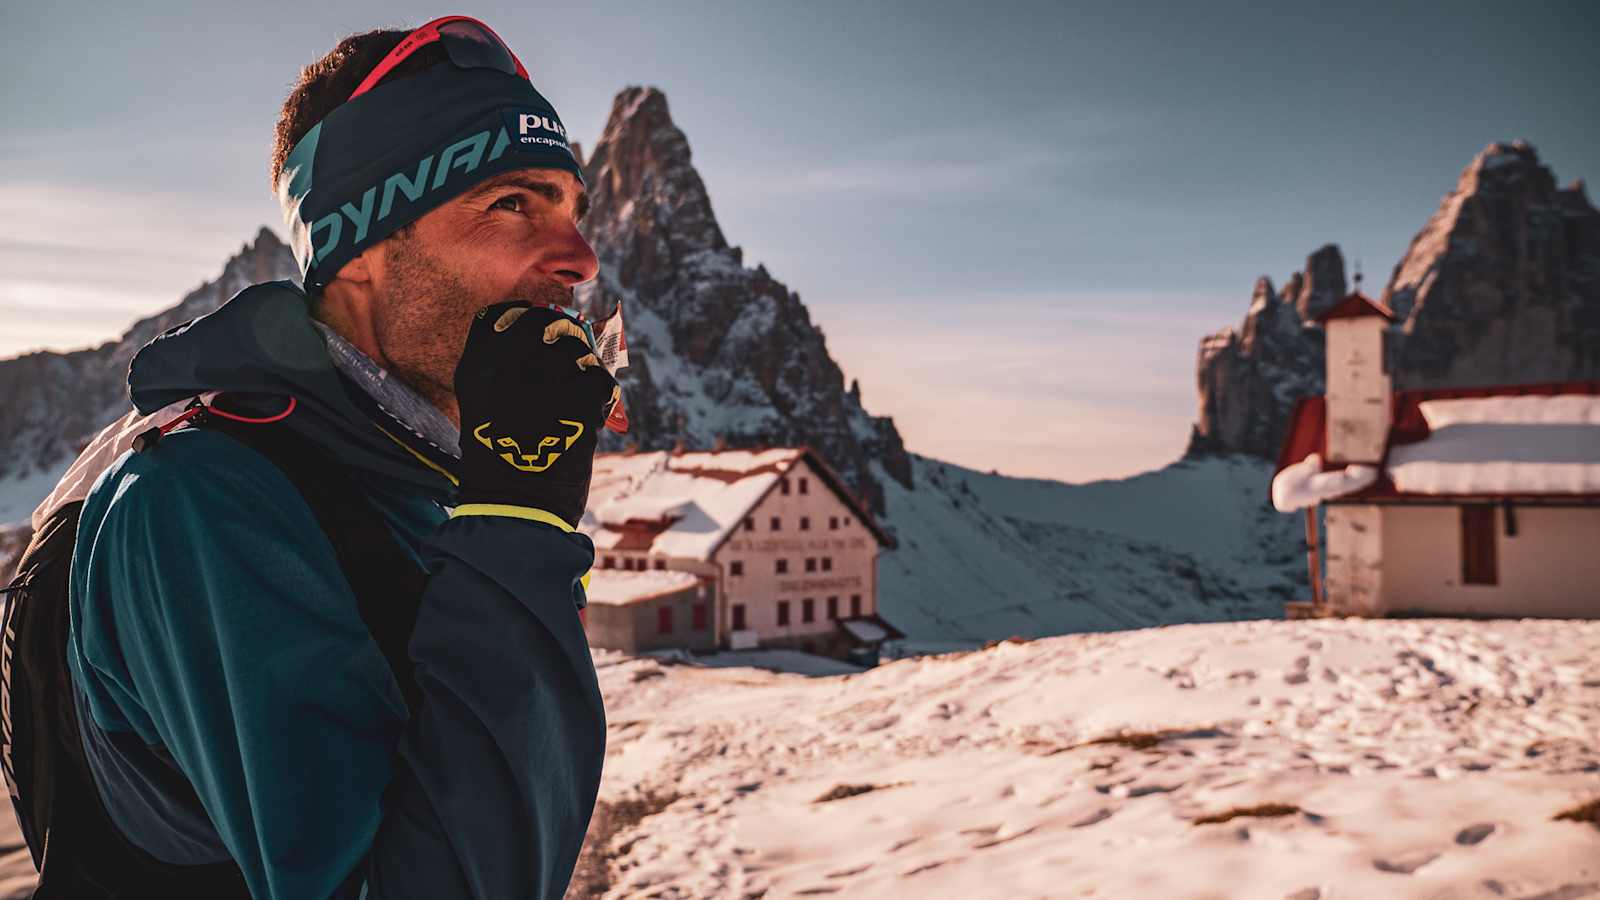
x=1426, y=758
x=985, y=556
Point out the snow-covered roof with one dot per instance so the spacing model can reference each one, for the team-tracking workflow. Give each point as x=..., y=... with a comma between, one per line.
x=1306, y=484
x=686, y=504
x=1503, y=445
x=1509, y=441
x=615, y=587
x=862, y=630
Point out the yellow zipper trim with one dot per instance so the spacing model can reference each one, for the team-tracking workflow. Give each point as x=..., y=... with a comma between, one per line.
x=425, y=461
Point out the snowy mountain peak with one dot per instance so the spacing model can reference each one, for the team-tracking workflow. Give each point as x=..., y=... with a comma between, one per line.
x=54, y=402
x=641, y=179
x=718, y=351
x=1501, y=286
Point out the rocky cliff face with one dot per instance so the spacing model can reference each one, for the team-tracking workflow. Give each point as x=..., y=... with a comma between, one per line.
x=1502, y=286
x=52, y=403
x=1250, y=376
x=718, y=350
x=1503, y=283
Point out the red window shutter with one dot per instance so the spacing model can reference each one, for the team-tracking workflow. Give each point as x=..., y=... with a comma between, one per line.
x=699, y=617
x=1478, y=545
x=664, y=620
x=783, y=612
x=808, y=610
x=833, y=607
x=855, y=604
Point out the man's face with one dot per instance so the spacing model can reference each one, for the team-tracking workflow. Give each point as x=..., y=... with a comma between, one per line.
x=511, y=237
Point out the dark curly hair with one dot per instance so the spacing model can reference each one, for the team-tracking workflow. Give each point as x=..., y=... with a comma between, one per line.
x=327, y=83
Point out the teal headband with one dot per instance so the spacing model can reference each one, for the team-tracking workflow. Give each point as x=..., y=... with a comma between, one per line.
x=384, y=159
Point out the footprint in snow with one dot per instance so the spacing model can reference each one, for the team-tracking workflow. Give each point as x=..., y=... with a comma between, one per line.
x=1099, y=815
x=1405, y=863
x=819, y=889
x=981, y=845
x=846, y=873
x=1474, y=834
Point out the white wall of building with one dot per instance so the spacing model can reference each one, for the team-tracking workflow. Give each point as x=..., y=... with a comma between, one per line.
x=1551, y=567
x=1360, y=394
x=1355, y=565
x=850, y=549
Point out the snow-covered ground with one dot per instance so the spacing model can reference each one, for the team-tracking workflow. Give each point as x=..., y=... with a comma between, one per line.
x=1421, y=758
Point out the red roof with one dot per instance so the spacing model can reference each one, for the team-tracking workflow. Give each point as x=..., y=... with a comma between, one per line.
x=1355, y=306
x=1308, y=432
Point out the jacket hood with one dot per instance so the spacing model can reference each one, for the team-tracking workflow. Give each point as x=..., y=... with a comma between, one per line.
x=263, y=342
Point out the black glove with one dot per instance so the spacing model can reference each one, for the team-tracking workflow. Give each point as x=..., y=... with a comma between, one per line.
x=533, y=399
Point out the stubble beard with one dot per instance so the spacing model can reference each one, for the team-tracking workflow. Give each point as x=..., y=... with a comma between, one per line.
x=422, y=323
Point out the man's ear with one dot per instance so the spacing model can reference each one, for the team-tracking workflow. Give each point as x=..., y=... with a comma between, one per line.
x=359, y=269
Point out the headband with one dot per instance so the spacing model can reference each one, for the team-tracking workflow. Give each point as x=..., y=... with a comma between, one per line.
x=384, y=159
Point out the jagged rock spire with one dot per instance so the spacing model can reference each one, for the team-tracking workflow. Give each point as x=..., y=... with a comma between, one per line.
x=717, y=349
x=1502, y=286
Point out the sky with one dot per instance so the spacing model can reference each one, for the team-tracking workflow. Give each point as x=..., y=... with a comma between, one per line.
x=1013, y=221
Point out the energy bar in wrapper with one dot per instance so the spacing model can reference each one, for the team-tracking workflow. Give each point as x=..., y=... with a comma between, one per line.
x=612, y=349
x=611, y=346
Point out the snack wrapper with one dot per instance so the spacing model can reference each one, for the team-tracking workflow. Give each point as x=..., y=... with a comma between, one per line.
x=611, y=346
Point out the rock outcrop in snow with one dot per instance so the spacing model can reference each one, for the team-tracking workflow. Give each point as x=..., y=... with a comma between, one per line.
x=1502, y=286
x=720, y=350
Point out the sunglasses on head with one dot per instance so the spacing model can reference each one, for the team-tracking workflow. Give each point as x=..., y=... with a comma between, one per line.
x=469, y=43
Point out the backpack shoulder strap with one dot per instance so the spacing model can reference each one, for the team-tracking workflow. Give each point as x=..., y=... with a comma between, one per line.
x=386, y=580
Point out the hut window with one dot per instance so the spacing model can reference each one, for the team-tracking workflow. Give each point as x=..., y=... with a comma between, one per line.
x=738, y=617
x=782, y=567
x=661, y=564
x=805, y=522
x=811, y=564
x=827, y=564
x=610, y=562
x=749, y=523
x=1478, y=545
x=785, y=484
x=855, y=604
x=808, y=610
x=783, y=612
x=802, y=484
x=736, y=567
x=833, y=607
x=833, y=523
x=699, y=617
x=777, y=523
x=664, y=620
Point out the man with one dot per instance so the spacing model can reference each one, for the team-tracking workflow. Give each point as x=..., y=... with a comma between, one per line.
x=237, y=710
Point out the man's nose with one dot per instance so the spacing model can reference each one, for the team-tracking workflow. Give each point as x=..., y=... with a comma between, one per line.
x=568, y=258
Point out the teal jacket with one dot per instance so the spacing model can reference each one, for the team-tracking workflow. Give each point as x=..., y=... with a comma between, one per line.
x=235, y=705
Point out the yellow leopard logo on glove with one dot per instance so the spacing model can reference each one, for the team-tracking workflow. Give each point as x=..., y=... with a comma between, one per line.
x=528, y=462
